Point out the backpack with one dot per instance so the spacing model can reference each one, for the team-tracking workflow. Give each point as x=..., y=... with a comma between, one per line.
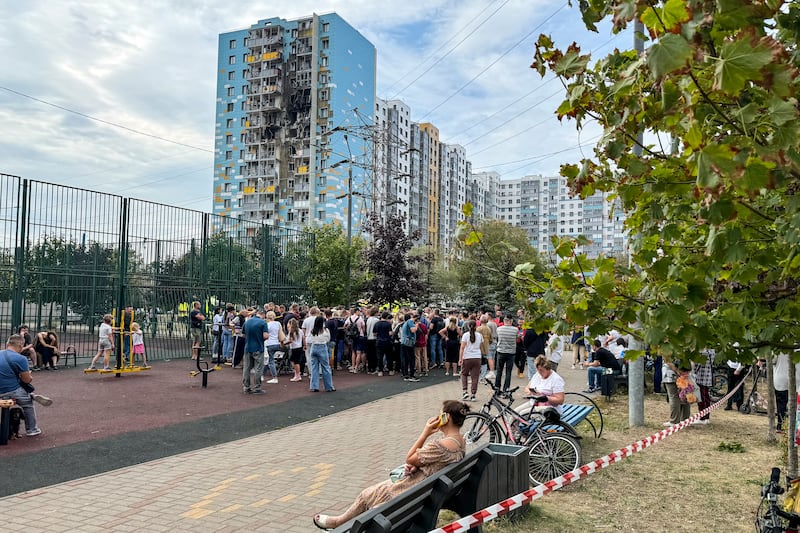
x=352, y=330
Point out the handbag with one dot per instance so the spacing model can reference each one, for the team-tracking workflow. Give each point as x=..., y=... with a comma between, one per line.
x=27, y=387
x=281, y=336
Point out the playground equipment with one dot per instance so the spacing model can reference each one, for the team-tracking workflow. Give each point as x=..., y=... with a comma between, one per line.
x=125, y=340
x=204, y=368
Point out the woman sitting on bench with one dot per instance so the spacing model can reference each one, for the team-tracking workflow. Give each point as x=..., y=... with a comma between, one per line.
x=423, y=459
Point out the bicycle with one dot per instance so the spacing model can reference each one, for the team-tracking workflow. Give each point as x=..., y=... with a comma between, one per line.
x=553, y=446
x=771, y=518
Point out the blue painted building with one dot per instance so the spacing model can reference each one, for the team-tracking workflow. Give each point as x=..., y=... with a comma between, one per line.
x=294, y=115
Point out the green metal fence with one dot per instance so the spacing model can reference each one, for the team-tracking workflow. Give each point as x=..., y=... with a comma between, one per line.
x=68, y=256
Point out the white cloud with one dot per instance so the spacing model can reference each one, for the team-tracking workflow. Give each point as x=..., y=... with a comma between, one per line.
x=151, y=66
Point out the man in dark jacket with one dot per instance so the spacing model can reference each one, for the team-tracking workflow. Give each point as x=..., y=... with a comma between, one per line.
x=535, y=344
x=602, y=360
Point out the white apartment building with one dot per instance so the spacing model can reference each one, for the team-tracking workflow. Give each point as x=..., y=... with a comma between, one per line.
x=392, y=146
x=455, y=171
x=544, y=207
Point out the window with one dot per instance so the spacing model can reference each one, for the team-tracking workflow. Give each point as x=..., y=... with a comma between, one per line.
x=226, y=204
x=323, y=78
x=323, y=61
x=244, y=106
x=245, y=89
x=290, y=216
x=232, y=44
x=326, y=43
x=231, y=75
x=243, y=122
x=231, y=91
x=226, y=187
x=242, y=170
x=230, y=108
x=243, y=138
x=244, y=58
x=229, y=171
x=229, y=123
x=326, y=27
x=228, y=155
x=231, y=60
x=229, y=139
x=323, y=95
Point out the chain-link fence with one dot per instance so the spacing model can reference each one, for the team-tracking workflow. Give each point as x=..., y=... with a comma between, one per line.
x=68, y=256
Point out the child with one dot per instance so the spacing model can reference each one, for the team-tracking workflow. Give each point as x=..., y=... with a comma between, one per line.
x=105, y=344
x=138, y=344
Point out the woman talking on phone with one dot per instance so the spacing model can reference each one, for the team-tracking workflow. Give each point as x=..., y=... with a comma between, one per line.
x=424, y=458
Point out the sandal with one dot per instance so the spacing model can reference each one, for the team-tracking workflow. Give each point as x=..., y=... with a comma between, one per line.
x=321, y=521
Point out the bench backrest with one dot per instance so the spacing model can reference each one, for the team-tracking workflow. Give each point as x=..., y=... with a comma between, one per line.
x=416, y=509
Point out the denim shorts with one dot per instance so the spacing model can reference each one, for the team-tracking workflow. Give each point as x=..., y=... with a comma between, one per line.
x=360, y=344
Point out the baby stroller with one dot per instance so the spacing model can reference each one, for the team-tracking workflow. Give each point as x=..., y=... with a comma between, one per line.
x=282, y=363
x=756, y=402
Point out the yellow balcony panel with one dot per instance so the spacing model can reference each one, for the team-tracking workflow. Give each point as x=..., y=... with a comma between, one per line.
x=271, y=189
x=302, y=170
x=249, y=190
x=269, y=56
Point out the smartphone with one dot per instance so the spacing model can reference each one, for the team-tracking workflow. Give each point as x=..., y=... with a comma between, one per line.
x=442, y=419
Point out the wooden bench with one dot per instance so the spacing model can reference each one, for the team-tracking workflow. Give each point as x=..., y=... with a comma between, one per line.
x=455, y=487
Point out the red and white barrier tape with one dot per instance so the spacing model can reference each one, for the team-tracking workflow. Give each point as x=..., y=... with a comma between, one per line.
x=524, y=498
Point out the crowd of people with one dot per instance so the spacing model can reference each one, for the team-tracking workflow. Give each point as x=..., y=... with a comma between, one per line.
x=409, y=343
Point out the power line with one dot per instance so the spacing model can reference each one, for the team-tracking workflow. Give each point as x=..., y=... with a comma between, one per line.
x=412, y=82
x=126, y=128
x=538, y=157
x=482, y=72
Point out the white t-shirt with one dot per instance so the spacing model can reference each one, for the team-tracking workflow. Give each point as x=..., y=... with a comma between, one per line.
x=137, y=338
x=105, y=330
x=555, y=348
x=371, y=321
x=308, y=325
x=217, y=323
x=298, y=342
x=473, y=349
x=552, y=385
x=273, y=326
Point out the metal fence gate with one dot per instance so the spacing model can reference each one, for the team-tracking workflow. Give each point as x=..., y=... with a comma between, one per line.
x=68, y=256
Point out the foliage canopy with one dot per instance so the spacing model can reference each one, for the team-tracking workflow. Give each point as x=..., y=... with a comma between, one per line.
x=712, y=203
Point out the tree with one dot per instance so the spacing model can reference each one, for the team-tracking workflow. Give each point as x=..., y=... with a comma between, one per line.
x=326, y=279
x=394, y=275
x=489, y=253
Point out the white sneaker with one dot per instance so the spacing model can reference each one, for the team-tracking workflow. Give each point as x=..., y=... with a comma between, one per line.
x=273, y=381
x=667, y=424
x=43, y=400
x=380, y=374
x=34, y=432
x=296, y=378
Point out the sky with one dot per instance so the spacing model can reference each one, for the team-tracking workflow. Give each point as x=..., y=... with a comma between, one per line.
x=150, y=67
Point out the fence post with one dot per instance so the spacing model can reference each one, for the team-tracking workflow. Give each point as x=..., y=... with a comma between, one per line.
x=19, y=253
x=266, y=264
x=123, y=269
x=205, y=298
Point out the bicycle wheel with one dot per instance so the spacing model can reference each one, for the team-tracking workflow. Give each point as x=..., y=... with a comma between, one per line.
x=552, y=455
x=479, y=429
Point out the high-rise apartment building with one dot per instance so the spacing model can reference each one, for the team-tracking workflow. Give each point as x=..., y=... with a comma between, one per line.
x=544, y=207
x=394, y=158
x=455, y=171
x=293, y=99
x=482, y=194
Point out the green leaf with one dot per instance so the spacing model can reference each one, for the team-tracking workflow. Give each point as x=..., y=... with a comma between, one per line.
x=713, y=160
x=740, y=62
x=472, y=238
x=670, y=53
x=571, y=64
x=467, y=209
x=782, y=111
x=666, y=18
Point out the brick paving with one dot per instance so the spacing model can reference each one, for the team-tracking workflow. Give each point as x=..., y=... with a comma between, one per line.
x=274, y=481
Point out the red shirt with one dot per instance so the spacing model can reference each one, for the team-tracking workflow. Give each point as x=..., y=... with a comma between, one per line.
x=422, y=334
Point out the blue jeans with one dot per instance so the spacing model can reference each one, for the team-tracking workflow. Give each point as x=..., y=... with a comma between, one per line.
x=227, y=343
x=319, y=359
x=24, y=400
x=252, y=361
x=271, y=354
x=436, y=351
x=595, y=373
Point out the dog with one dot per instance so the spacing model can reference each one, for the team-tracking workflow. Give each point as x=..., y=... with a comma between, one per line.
x=16, y=419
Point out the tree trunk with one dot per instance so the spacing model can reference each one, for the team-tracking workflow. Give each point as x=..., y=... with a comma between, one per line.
x=791, y=426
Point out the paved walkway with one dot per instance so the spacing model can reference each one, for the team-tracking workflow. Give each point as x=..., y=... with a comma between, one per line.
x=274, y=481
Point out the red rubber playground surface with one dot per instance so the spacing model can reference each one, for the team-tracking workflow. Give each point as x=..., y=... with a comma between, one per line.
x=92, y=406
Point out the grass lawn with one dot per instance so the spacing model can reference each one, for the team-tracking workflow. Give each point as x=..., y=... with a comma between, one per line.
x=703, y=478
